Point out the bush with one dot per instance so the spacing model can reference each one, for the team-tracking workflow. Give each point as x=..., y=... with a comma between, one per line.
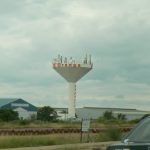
x=8, y=115
x=24, y=122
x=112, y=134
x=108, y=115
x=47, y=113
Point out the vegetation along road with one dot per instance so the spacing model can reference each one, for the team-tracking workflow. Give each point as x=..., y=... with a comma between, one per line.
x=83, y=146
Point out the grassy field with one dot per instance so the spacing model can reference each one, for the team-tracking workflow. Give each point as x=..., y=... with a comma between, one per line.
x=31, y=141
x=58, y=139
x=47, y=140
x=39, y=124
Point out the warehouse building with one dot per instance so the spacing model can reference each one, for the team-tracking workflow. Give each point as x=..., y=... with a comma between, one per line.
x=24, y=109
x=96, y=112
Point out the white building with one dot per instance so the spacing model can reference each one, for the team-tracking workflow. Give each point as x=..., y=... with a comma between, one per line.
x=24, y=109
x=96, y=112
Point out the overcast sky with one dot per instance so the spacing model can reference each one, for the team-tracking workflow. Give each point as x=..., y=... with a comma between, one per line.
x=116, y=33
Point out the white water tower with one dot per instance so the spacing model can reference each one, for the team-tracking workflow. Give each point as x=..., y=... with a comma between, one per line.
x=72, y=71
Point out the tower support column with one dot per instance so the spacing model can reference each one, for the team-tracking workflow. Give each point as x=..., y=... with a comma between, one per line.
x=72, y=99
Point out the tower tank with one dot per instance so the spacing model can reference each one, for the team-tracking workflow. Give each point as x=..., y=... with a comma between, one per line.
x=72, y=71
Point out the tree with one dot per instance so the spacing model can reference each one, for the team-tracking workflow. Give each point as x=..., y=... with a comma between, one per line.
x=65, y=112
x=121, y=116
x=33, y=117
x=8, y=115
x=146, y=115
x=47, y=113
x=108, y=115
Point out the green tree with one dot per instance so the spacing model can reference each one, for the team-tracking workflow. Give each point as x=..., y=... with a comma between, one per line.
x=121, y=116
x=108, y=115
x=8, y=115
x=146, y=115
x=33, y=117
x=65, y=112
x=47, y=113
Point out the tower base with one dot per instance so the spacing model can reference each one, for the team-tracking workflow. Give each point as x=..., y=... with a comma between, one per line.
x=72, y=99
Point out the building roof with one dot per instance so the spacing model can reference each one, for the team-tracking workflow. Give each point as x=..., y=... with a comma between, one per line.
x=96, y=112
x=4, y=101
x=14, y=103
x=131, y=109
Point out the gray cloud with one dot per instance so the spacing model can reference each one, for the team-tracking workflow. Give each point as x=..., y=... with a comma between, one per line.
x=116, y=33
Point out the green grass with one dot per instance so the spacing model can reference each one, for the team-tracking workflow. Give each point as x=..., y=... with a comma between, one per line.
x=40, y=124
x=55, y=139
x=31, y=141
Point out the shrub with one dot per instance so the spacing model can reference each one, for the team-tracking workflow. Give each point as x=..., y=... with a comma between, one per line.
x=113, y=133
x=24, y=122
x=108, y=115
x=8, y=115
x=47, y=113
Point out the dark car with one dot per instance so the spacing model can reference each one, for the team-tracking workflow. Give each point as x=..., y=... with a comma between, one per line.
x=137, y=139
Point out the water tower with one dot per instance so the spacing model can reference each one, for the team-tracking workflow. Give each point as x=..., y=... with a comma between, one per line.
x=72, y=71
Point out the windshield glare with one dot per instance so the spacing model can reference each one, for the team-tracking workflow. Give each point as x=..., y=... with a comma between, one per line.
x=141, y=133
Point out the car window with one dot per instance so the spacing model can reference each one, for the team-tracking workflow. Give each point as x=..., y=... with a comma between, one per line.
x=141, y=133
